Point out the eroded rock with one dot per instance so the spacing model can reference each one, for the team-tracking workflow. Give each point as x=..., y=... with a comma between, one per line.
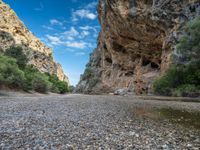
x=136, y=42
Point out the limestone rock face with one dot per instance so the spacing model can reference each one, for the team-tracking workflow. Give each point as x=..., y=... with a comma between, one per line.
x=13, y=32
x=136, y=42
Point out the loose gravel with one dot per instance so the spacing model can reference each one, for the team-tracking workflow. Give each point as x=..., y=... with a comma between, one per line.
x=72, y=122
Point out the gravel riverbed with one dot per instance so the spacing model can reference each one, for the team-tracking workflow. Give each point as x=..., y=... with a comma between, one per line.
x=91, y=122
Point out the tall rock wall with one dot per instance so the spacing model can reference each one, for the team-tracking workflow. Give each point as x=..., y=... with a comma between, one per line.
x=135, y=43
x=14, y=33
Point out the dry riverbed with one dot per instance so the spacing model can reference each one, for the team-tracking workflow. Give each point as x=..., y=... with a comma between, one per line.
x=97, y=122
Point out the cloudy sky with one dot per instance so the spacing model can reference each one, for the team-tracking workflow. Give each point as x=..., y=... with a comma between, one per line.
x=69, y=27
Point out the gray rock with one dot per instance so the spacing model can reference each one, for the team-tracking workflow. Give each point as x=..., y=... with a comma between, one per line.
x=121, y=92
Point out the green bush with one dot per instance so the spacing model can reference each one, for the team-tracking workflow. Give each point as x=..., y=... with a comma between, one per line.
x=15, y=73
x=17, y=53
x=40, y=83
x=10, y=74
x=62, y=87
x=36, y=80
x=164, y=85
x=189, y=45
x=186, y=90
x=177, y=79
x=183, y=78
x=58, y=86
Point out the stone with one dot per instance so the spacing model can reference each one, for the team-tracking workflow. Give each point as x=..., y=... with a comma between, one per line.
x=135, y=44
x=121, y=92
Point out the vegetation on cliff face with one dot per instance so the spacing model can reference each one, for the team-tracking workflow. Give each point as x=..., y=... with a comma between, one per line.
x=15, y=73
x=183, y=78
x=14, y=32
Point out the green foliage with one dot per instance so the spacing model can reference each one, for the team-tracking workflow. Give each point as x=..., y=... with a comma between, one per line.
x=15, y=73
x=10, y=74
x=40, y=83
x=183, y=78
x=186, y=90
x=17, y=53
x=189, y=45
x=36, y=80
x=177, y=79
x=62, y=86
x=58, y=86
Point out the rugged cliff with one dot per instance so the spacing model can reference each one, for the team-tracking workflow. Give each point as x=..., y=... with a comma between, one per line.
x=13, y=32
x=135, y=43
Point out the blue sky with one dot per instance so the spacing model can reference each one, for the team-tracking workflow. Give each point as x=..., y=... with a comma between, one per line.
x=69, y=27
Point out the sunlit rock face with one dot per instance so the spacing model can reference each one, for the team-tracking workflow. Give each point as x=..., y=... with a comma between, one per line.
x=13, y=32
x=135, y=43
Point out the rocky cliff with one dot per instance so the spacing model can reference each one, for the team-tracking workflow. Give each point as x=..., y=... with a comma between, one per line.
x=14, y=33
x=135, y=43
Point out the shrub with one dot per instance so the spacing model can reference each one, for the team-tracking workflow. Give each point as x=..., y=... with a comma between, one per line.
x=183, y=78
x=187, y=90
x=57, y=85
x=173, y=77
x=62, y=87
x=17, y=53
x=189, y=46
x=10, y=74
x=40, y=83
x=36, y=80
x=15, y=73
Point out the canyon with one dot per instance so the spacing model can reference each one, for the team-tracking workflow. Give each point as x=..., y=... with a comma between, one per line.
x=135, y=45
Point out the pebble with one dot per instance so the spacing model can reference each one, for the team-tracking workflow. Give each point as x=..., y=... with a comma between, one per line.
x=87, y=122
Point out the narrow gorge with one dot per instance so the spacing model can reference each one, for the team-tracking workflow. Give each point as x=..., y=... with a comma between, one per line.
x=135, y=44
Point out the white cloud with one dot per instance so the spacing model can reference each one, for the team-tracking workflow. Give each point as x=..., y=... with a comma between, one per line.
x=85, y=27
x=54, y=40
x=48, y=27
x=72, y=32
x=89, y=28
x=56, y=22
x=91, y=5
x=78, y=45
x=60, y=41
x=83, y=13
x=72, y=38
x=84, y=34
